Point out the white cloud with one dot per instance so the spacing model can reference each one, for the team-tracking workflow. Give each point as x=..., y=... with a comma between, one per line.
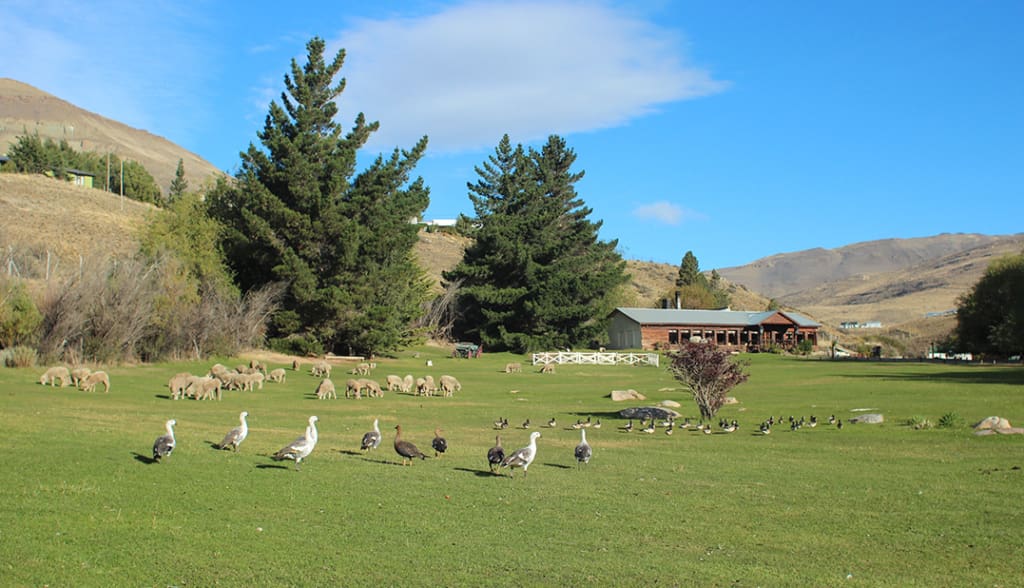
x=666, y=213
x=469, y=74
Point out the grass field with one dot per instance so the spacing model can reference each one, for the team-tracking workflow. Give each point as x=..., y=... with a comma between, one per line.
x=870, y=505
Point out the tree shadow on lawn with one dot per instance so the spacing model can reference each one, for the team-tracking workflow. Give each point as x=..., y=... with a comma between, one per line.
x=1010, y=376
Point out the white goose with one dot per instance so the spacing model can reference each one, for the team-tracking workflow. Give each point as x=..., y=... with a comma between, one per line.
x=522, y=458
x=300, y=448
x=371, y=440
x=583, y=450
x=235, y=436
x=164, y=444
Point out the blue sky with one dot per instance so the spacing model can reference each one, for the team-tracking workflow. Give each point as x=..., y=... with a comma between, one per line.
x=735, y=130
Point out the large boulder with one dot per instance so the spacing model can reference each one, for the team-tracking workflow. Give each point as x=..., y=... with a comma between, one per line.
x=870, y=419
x=669, y=404
x=620, y=395
x=648, y=412
x=993, y=425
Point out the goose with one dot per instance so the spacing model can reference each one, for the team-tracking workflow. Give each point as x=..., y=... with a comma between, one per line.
x=839, y=424
x=440, y=444
x=583, y=450
x=300, y=448
x=706, y=429
x=671, y=427
x=406, y=449
x=765, y=428
x=498, y=423
x=164, y=444
x=649, y=428
x=628, y=426
x=526, y=424
x=730, y=427
x=552, y=423
x=586, y=424
x=597, y=425
x=813, y=422
x=235, y=436
x=832, y=419
x=522, y=458
x=371, y=440
x=496, y=454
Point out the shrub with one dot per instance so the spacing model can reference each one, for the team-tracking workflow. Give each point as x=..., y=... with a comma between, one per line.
x=19, y=356
x=918, y=422
x=951, y=420
x=302, y=345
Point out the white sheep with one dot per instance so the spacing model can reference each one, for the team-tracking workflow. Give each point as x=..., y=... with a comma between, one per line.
x=449, y=385
x=78, y=374
x=407, y=383
x=513, y=367
x=372, y=388
x=178, y=383
x=548, y=368
x=321, y=369
x=56, y=373
x=90, y=382
x=353, y=388
x=326, y=389
x=277, y=375
x=394, y=383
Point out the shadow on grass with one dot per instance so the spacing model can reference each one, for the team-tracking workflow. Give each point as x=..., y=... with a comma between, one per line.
x=162, y=396
x=143, y=458
x=1005, y=375
x=349, y=452
x=385, y=461
x=560, y=466
x=480, y=473
x=273, y=466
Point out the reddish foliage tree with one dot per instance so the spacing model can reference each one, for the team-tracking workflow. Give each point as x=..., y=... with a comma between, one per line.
x=709, y=372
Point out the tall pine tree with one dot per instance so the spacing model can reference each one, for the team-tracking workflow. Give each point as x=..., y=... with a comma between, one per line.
x=537, y=276
x=342, y=241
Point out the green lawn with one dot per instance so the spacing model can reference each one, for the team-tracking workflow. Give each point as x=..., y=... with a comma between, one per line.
x=870, y=505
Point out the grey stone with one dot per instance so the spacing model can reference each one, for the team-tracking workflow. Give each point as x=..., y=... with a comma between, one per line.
x=870, y=419
x=648, y=412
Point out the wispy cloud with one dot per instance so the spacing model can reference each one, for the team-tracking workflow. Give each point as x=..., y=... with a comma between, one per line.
x=666, y=213
x=472, y=72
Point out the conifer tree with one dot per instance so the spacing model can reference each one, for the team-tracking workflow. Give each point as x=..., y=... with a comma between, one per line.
x=299, y=213
x=537, y=276
x=179, y=184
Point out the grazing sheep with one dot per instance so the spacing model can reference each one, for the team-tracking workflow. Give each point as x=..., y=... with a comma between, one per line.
x=219, y=371
x=372, y=388
x=362, y=369
x=407, y=383
x=56, y=373
x=326, y=389
x=78, y=374
x=321, y=369
x=204, y=388
x=258, y=366
x=296, y=365
x=253, y=380
x=449, y=385
x=353, y=388
x=548, y=368
x=427, y=387
x=420, y=384
x=394, y=383
x=513, y=368
x=277, y=375
x=178, y=383
x=89, y=383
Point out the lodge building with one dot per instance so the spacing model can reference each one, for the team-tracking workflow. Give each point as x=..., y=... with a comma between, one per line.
x=660, y=328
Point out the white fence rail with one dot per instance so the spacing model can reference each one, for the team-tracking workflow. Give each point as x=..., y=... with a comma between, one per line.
x=595, y=358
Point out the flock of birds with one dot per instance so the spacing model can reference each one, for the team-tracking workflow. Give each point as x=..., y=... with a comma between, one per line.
x=497, y=458
x=303, y=446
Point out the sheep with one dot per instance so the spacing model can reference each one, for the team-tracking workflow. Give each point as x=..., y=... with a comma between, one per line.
x=353, y=388
x=258, y=366
x=321, y=369
x=277, y=375
x=203, y=387
x=178, y=383
x=407, y=383
x=362, y=369
x=218, y=371
x=548, y=368
x=372, y=388
x=89, y=383
x=296, y=365
x=427, y=387
x=394, y=383
x=78, y=374
x=513, y=368
x=420, y=385
x=326, y=389
x=56, y=373
x=449, y=385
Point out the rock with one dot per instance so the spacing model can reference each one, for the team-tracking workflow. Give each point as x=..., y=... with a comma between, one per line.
x=1011, y=431
x=620, y=395
x=992, y=423
x=669, y=404
x=730, y=400
x=648, y=412
x=870, y=419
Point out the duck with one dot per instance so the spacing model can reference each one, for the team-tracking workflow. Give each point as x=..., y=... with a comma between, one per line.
x=164, y=444
x=813, y=422
x=371, y=440
x=765, y=428
x=597, y=425
x=730, y=427
x=498, y=423
x=707, y=429
x=552, y=423
x=523, y=457
x=300, y=448
x=586, y=424
x=832, y=419
x=526, y=424
x=628, y=426
x=839, y=424
x=583, y=451
x=235, y=436
x=439, y=443
x=405, y=448
x=496, y=454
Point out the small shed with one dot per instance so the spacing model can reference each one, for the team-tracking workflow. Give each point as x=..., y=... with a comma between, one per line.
x=655, y=328
x=80, y=177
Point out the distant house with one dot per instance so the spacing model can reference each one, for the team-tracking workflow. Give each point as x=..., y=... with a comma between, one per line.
x=80, y=178
x=651, y=328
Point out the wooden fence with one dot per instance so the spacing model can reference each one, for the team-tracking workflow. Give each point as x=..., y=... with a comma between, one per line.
x=595, y=358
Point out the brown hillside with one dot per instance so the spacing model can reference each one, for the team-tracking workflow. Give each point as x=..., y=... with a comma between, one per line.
x=25, y=108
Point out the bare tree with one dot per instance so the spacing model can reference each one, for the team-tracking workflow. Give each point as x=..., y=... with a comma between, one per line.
x=709, y=372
